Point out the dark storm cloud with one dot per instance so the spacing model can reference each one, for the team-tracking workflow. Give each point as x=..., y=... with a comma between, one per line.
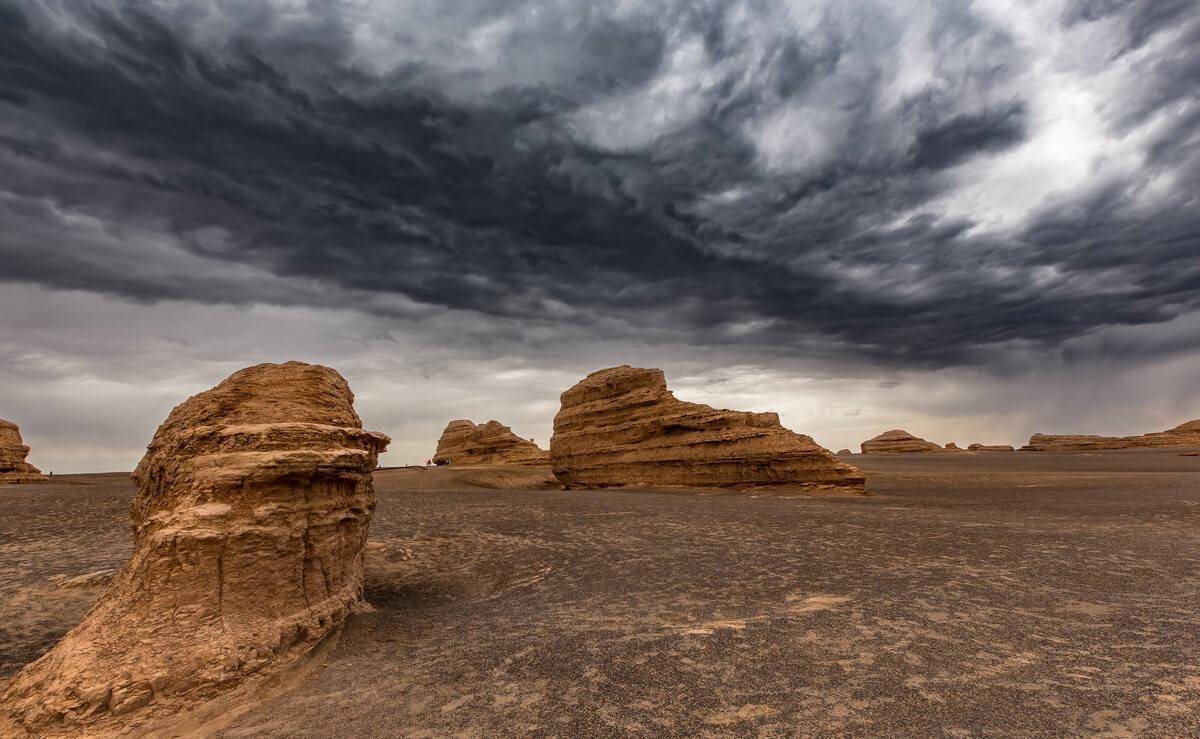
x=235, y=153
x=967, y=134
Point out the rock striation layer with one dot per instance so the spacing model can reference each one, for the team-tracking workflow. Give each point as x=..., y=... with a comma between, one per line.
x=465, y=443
x=898, y=441
x=13, y=467
x=1184, y=435
x=253, y=504
x=977, y=447
x=622, y=426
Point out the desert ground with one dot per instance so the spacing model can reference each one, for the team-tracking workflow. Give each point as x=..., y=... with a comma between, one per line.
x=1027, y=594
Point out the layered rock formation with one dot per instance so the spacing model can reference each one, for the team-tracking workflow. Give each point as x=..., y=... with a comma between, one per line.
x=898, y=441
x=1184, y=435
x=952, y=447
x=13, y=467
x=622, y=426
x=489, y=443
x=250, y=520
x=977, y=447
x=843, y=451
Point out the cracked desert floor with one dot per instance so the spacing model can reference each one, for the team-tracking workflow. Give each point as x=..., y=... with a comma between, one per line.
x=971, y=595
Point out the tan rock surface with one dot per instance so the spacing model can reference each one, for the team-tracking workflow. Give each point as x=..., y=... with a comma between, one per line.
x=898, y=441
x=253, y=504
x=1184, y=435
x=977, y=447
x=952, y=447
x=622, y=426
x=464, y=443
x=843, y=451
x=13, y=467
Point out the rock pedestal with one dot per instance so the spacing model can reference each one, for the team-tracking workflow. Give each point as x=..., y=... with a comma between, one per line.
x=13, y=467
x=622, y=426
x=250, y=520
x=464, y=443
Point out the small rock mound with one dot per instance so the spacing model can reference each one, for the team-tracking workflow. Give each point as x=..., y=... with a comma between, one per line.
x=250, y=520
x=13, y=467
x=977, y=447
x=1184, y=435
x=464, y=443
x=898, y=441
x=952, y=447
x=842, y=452
x=622, y=426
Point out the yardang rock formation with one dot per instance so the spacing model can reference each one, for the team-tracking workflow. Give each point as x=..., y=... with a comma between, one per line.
x=622, y=426
x=13, y=467
x=977, y=447
x=1183, y=435
x=250, y=520
x=898, y=441
x=465, y=443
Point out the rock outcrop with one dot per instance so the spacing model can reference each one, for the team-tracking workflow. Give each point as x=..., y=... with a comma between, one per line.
x=464, y=443
x=977, y=447
x=843, y=452
x=622, y=426
x=1184, y=435
x=952, y=447
x=253, y=504
x=898, y=441
x=13, y=467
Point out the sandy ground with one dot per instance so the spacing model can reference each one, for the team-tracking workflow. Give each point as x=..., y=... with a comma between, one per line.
x=972, y=595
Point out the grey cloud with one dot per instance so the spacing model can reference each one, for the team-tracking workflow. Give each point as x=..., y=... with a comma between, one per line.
x=288, y=163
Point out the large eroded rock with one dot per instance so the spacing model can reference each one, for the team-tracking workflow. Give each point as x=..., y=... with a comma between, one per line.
x=1184, y=435
x=621, y=426
x=465, y=443
x=250, y=520
x=13, y=467
x=898, y=441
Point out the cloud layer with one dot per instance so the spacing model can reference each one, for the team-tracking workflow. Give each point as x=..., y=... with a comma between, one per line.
x=859, y=189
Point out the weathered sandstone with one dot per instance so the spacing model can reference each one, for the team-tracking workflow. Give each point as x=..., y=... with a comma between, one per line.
x=465, y=443
x=952, y=447
x=622, y=426
x=13, y=467
x=844, y=451
x=1184, y=435
x=977, y=447
x=898, y=441
x=249, y=524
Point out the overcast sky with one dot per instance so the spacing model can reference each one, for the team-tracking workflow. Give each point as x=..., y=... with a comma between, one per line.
x=972, y=220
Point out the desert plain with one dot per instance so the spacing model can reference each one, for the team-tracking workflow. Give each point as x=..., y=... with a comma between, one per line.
x=970, y=595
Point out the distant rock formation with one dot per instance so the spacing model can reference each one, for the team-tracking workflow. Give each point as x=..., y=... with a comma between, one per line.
x=1183, y=435
x=977, y=447
x=622, y=426
x=13, y=467
x=250, y=520
x=844, y=451
x=898, y=441
x=952, y=447
x=489, y=443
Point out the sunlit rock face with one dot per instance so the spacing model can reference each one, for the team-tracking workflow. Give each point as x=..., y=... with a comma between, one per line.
x=464, y=443
x=253, y=504
x=13, y=467
x=1184, y=435
x=898, y=441
x=622, y=426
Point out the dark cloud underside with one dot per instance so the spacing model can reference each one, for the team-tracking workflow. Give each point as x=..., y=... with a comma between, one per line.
x=240, y=153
